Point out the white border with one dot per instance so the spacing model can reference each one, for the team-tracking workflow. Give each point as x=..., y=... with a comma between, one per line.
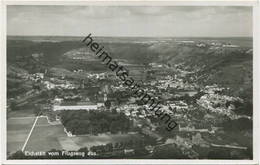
x=135, y=2
x=3, y=81
x=256, y=78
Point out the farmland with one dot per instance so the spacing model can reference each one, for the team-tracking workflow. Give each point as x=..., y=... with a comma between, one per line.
x=46, y=137
x=18, y=130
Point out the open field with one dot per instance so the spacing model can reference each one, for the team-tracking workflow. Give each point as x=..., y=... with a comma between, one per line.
x=46, y=137
x=18, y=129
x=21, y=113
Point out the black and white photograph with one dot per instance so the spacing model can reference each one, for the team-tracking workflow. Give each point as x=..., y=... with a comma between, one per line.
x=129, y=81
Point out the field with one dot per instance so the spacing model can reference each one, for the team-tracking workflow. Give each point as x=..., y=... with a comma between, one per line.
x=21, y=113
x=46, y=137
x=18, y=129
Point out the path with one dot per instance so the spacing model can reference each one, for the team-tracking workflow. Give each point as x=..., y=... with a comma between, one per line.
x=28, y=137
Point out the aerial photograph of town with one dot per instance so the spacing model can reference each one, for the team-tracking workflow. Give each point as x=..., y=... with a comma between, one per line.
x=129, y=82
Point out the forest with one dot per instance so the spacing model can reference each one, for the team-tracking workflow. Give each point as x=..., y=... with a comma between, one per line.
x=83, y=122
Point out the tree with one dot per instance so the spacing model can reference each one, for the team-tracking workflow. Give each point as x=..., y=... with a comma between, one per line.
x=17, y=155
x=108, y=104
x=109, y=147
x=82, y=122
x=84, y=149
x=116, y=145
x=168, y=151
x=219, y=154
x=114, y=111
x=113, y=127
x=36, y=111
x=141, y=151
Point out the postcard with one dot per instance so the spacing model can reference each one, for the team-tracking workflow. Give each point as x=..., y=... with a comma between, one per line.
x=129, y=82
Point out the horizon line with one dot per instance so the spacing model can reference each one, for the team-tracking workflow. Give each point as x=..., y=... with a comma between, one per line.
x=131, y=36
x=128, y=36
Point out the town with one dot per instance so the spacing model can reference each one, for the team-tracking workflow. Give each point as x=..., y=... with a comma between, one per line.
x=84, y=104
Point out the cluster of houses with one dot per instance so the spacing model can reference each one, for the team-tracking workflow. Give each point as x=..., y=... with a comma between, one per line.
x=36, y=77
x=210, y=44
x=216, y=102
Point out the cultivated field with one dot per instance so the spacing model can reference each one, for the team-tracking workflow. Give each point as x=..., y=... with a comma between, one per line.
x=18, y=129
x=46, y=137
x=21, y=113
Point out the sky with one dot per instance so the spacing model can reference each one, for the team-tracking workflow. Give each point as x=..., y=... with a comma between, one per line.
x=142, y=21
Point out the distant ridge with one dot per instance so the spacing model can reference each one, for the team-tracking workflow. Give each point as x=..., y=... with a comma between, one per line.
x=242, y=41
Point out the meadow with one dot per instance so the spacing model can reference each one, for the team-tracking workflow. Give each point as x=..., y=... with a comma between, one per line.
x=46, y=137
x=18, y=129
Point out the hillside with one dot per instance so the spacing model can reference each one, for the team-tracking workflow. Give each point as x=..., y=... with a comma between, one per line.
x=228, y=67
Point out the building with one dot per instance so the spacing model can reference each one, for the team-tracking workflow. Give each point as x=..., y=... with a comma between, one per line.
x=86, y=106
x=129, y=151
